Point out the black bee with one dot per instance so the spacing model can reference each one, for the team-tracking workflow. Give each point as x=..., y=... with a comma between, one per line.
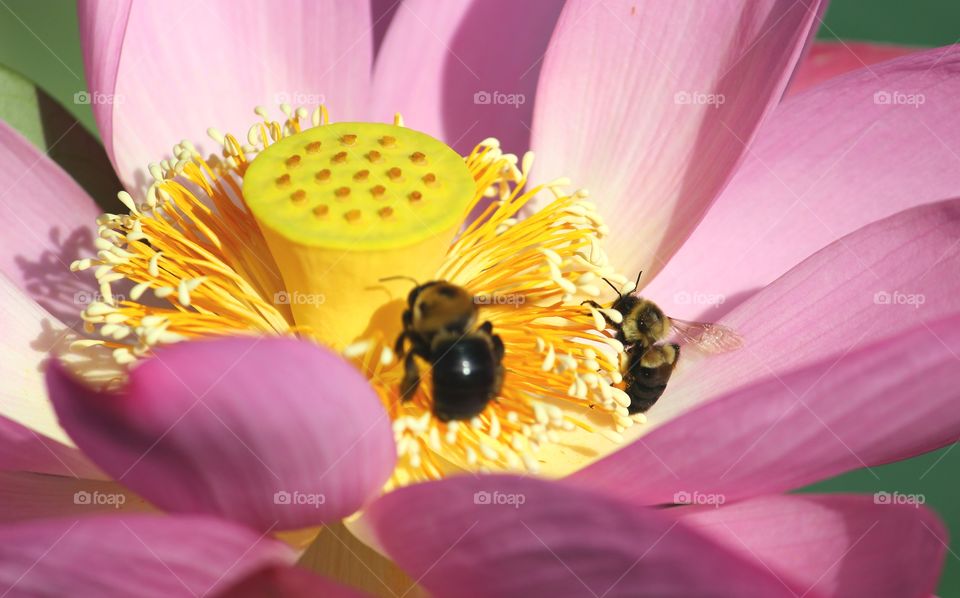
x=649, y=361
x=467, y=361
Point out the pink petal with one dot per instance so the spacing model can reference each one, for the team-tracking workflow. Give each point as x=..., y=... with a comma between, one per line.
x=823, y=346
x=103, y=26
x=288, y=582
x=629, y=106
x=36, y=496
x=269, y=432
x=834, y=545
x=184, y=67
x=548, y=539
x=439, y=64
x=830, y=161
x=134, y=555
x=832, y=58
x=31, y=439
x=882, y=280
x=47, y=223
x=859, y=406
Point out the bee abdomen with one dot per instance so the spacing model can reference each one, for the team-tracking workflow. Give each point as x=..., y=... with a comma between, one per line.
x=648, y=374
x=465, y=378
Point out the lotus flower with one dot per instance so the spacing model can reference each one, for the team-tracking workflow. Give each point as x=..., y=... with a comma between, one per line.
x=821, y=229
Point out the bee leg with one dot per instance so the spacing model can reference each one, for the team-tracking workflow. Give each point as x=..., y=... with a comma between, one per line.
x=407, y=323
x=500, y=372
x=600, y=308
x=592, y=304
x=411, y=378
x=398, y=346
x=498, y=353
x=498, y=349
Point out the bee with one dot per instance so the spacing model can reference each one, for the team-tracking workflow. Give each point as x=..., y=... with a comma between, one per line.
x=649, y=361
x=439, y=325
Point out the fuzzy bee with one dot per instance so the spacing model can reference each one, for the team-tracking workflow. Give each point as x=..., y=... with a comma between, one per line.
x=439, y=325
x=649, y=360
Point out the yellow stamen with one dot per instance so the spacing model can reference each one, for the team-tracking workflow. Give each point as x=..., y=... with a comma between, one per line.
x=239, y=245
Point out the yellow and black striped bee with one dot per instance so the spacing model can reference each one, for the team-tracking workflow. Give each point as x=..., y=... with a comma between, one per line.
x=649, y=360
x=440, y=326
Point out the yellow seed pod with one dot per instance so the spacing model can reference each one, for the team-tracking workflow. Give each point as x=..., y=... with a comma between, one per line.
x=345, y=204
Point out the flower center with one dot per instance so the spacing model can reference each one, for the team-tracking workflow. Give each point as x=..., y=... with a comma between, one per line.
x=344, y=205
x=291, y=234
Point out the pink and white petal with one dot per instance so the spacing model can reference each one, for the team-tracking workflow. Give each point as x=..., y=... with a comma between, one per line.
x=830, y=161
x=186, y=66
x=381, y=16
x=103, y=26
x=132, y=555
x=47, y=223
x=269, y=432
x=440, y=68
x=858, y=297
x=856, y=407
x=828, y=59
x=886, y=278
x=26, y=495
x=31, y=439
x=834, y=545
x=513, y=536
x=651, y=106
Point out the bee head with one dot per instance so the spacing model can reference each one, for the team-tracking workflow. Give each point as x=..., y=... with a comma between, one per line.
x=439, y=305
x=651, y=319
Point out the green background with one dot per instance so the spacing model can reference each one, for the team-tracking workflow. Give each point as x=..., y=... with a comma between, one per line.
x=39, y=38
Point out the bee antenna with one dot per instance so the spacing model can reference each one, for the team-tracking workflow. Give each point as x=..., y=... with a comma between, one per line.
x=410, y=278
x=639, y=274
x=615, y=289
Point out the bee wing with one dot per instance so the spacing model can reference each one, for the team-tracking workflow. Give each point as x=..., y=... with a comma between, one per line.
x=708, y=338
